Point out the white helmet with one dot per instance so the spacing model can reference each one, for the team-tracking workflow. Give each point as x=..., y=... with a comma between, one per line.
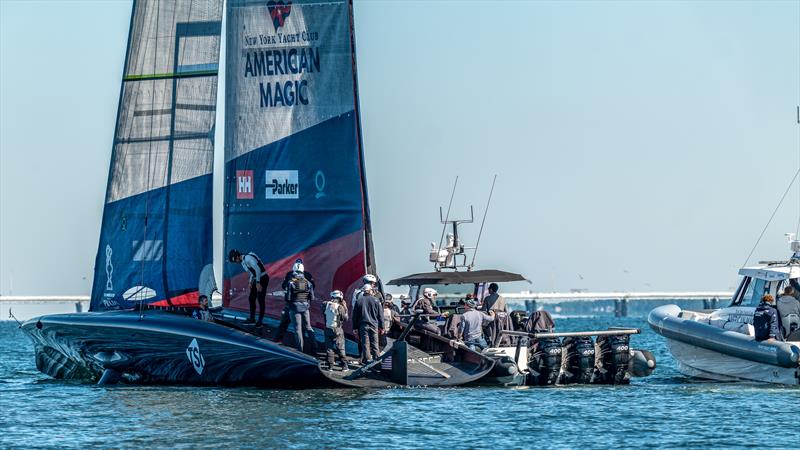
x=367, y=287
x=298, y=267
x=369, y=278
x=429, y=292
x=337, y=295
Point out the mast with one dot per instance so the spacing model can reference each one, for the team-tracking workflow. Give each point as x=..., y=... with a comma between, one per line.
x=370, y=250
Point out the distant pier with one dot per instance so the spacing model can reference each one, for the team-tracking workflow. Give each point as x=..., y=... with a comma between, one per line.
x=606, y=302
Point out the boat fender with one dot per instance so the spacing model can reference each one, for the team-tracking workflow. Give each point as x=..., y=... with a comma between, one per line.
x=642, y=363
x=506, y=365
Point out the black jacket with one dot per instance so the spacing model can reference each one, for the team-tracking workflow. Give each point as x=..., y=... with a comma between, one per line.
x=368, y=309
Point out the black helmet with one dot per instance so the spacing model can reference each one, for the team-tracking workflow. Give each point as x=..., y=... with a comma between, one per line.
x=233, y=254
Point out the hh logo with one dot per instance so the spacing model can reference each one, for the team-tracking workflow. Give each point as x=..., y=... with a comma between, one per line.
x=278, y=12
x=244, y=184
x=282, y=184
x=193, y=353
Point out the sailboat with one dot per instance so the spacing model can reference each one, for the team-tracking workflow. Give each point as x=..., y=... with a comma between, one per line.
x=295, y=187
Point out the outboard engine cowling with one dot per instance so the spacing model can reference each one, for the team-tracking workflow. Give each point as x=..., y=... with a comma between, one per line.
x=580, y=360
x=615, y=355
x=545, y=362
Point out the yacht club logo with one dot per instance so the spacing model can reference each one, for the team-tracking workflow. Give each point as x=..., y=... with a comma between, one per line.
x=282, y=184
x=278, y=12
x=244, y=184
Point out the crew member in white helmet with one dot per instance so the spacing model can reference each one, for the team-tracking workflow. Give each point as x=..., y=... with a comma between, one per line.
x=335, y=312
x=286, y=315
x=367, y=279
x=300, y=294
x=426, y=304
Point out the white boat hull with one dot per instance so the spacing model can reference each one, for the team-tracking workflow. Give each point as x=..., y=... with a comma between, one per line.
x=699, y=362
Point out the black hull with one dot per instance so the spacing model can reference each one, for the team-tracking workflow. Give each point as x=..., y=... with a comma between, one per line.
x=164, y=348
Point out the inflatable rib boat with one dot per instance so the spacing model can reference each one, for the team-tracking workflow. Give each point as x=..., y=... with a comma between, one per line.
x=720, y=344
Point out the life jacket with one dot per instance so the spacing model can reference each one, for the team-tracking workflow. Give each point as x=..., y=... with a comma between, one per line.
x=332, y=315
x=762, y=322
x=260, y=264
x=301, y=291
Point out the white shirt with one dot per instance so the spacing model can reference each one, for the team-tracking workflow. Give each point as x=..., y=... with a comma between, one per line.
x=250, y=265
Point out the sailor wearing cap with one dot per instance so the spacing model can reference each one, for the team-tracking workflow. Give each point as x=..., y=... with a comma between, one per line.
x=335, y=313
x=259, y=280
x=472, y=322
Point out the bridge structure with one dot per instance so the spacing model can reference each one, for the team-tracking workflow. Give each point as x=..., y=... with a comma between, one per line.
x=529, y=300
x=620, y=299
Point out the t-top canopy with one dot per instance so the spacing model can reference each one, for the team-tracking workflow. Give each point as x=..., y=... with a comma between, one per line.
x=471, y=277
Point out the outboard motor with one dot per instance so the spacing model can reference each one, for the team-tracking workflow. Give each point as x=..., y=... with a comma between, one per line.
x=545, y=362
x=580, y=360
x=615, y=355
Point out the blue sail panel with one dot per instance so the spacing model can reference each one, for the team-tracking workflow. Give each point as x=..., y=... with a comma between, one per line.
x=156, y=235
x=294, y=165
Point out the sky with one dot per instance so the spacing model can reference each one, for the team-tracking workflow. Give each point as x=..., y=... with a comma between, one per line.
x=638, y=145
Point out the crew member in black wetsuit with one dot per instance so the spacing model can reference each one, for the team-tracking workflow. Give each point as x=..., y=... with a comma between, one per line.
x=258, y=282
x=286, y=318
x=300, y=294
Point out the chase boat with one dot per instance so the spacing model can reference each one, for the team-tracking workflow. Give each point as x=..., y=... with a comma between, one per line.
x=524, y=346
x=720, y=344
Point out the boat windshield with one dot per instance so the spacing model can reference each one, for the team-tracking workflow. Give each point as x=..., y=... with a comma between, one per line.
x=751, y=290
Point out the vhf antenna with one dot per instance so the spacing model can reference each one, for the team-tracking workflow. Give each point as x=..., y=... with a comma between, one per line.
x=447, y=216
x=478, y=243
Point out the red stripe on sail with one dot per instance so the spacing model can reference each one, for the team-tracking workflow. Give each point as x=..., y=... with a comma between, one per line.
x=185, y=300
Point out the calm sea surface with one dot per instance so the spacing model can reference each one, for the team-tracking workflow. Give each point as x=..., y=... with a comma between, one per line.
x=662, y=411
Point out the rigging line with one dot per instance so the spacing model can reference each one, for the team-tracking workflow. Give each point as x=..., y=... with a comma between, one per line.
x=788, y=188
x=447, y=216
x=797, y=230
x=485, y=213
x=149, y=157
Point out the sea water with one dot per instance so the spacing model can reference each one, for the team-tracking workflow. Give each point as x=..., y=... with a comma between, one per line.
x=664, y=410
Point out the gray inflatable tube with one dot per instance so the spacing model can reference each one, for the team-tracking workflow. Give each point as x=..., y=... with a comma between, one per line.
x=665, y=321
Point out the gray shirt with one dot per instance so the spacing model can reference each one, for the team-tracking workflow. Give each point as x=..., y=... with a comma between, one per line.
x=494, y=302
x=472, y=324
x=786, y=305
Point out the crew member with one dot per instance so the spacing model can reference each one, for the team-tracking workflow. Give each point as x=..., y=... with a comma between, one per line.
x=335, y=312
x=389, y=318
x=259, y=280
x=286, y=314
x=389, y=298
x=472, y=322
x=493, y=301
x=367, y=279
x=368, y=320
x=405, y=310
x=202, y=313
x=789, y=310
x=766, y=321
x=425, y=303
x=300, y=293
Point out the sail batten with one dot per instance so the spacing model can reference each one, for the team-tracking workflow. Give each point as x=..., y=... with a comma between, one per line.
x=156, y=235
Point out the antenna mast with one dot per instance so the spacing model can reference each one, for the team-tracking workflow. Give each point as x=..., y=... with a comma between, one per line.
x=478, y=243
